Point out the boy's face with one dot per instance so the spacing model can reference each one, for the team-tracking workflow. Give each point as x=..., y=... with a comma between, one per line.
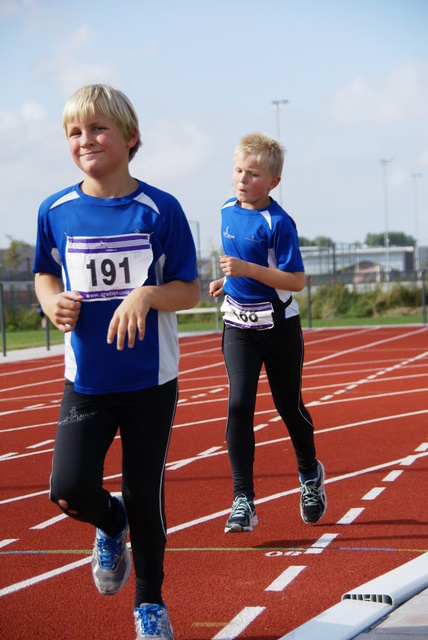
x=98, y=146
x=252, y=183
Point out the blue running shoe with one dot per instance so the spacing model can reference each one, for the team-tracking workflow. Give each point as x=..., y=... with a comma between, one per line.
x=313, y=499
x=152, y=621
x=111, y=560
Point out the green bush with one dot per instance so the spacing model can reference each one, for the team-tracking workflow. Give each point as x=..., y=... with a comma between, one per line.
x=22, y=319
x=334, y=300
x=328, y=301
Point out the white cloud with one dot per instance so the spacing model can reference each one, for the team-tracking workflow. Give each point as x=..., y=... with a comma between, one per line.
x=34, y=162
x=32, y=111
x=10, y=7
x=172, y=148
x=70, y=69
x=383, y=100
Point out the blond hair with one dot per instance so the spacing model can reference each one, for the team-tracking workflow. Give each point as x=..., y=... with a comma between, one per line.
x=267, y=150
x=109, y=101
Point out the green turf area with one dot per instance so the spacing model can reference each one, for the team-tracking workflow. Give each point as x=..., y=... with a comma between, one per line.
x=362, y=322
x=30, y=338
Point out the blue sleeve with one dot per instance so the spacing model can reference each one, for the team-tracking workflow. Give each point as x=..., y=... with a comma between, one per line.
x=286, y=246
x=175, y=236
x=46, y=257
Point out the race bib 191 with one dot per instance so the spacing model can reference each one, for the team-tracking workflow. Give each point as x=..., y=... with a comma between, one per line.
x=103, y=268
x=258, y=315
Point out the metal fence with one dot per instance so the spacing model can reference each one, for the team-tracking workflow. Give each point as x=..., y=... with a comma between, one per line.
x=20, y=295
x=362, y=281
x=16, y=296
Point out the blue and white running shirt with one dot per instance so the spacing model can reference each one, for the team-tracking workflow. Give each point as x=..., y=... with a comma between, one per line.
x=105, y=248
x=266, y=237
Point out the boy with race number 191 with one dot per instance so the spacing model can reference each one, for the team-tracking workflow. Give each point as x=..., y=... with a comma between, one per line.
x=114, y=260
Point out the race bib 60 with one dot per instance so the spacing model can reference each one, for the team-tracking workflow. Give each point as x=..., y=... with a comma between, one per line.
x=258, y=315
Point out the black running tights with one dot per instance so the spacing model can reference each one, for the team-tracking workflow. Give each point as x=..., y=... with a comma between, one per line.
x=87, y=427
x=281, y=351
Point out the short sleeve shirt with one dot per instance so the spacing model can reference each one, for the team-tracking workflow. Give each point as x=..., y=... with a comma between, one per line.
x=104, y=248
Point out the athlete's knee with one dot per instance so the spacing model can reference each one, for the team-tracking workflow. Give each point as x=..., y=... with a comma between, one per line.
x=63, y=504
x=241, y=408
x=66, y=501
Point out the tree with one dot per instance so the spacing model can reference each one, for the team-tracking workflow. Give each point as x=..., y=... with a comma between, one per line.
x=323, y=241
x=396, y=239
x=14, y=254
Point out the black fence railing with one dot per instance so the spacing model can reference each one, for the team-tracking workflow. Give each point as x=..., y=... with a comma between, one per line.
x=363, y=281
x=20, y=295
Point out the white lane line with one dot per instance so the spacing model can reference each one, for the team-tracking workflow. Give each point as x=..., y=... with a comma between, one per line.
x=277, y=418
x=51, y=521
x=204, y=454
x=321, y=543
x=187, y=525
x=31, y=384
x=44, y=576
x=30, y=369
x=276, y=496
x=28, y=426
x=364, y=347
x=239, y=623
x=308, y=377
x=352, y=514
x=422, y=447
x=7, y=541
x=25, y=409
x=333, y=399
x=15, y=456
x=285, y=578
x=201, y=368
x=40, y=444
x=338, y=336
x=373, y=493
x=25, y=497
x=393, y=475
x=260, y=426
x=406, y=462
x=370, y=378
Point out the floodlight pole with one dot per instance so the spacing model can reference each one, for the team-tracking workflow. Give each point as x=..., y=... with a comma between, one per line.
x=385, y=162
x=198, y=238
x=415, y=177
x=277, y=104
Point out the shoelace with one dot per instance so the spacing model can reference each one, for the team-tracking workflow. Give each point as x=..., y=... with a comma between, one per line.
x=310, y=493
x=150, y=619
x=109, y=552
x=241, y=507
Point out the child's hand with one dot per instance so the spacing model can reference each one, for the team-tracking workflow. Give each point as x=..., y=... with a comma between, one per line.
x=64, y=310
x=216, y=288
x=130, y=317
x=233, y=266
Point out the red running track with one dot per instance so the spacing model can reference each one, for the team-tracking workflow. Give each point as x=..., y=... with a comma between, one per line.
x=366, y=389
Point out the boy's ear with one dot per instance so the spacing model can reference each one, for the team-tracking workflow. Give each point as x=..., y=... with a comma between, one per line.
x=274, y=182
x=133, y=139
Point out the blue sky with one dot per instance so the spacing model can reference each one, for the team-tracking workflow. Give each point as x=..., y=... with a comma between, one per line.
x=203, y=73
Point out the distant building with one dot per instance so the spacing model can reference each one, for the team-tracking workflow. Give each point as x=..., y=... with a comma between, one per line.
x=333, y=260
x=21, y=268
x=423, y=257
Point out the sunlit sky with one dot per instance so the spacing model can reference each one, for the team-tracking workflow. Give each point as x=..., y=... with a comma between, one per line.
x=201, y=74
